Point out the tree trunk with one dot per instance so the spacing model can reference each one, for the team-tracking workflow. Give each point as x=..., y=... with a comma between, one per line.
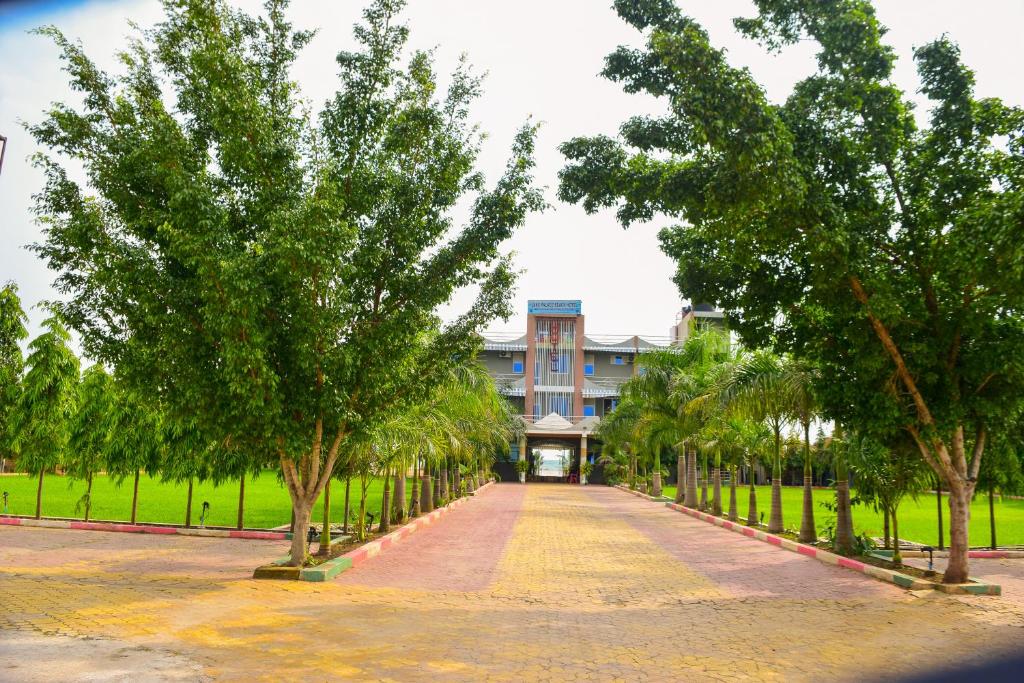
x=896, y=556
x=385, y=504
x=188, y=505
x=362, y=531
x=775, y=524
x=436, y=500
x=444, y=483
x=457, y=480
x=885, y=527
x=325, y=530
x=752, y=504
x=704, y=483
x=399, y=500
x=417, y=506
x=959, y=517
x=938, y=504
x=680, y=477
x=992, y=516
x=716, y=487
x=241, y=503
x=135, y=497
x=88, y=497
x=808, y=530
x=844, y=521
x=303, y=511
x=348, y=487
x=39, y=496
x=733, y=514
x=690, y=499
x=427, y=494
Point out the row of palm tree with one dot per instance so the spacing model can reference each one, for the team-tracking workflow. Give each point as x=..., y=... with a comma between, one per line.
x=720, y=408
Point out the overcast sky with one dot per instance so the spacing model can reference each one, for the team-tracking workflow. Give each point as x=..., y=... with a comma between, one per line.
x=542, y=57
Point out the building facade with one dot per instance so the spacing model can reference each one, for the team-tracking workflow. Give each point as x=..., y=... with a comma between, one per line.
x=562, y=382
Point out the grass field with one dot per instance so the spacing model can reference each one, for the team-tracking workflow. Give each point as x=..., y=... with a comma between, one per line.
x=918, y=519
x=266, y=500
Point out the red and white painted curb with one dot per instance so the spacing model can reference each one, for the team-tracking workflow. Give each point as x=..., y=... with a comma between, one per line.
x=889, y=575
x=144, y=529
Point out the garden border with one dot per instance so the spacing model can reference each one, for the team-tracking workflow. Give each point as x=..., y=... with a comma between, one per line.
x=975, y=587
x=353, y=558
x=128, y=528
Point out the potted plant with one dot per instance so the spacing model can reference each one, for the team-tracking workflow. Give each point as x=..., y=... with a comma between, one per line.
x=522, y=467
x=585, y=469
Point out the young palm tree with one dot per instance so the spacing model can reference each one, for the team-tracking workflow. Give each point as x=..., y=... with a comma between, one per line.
x=758, y=386
x=800, y=379
x=756, y=442
x=722, y=439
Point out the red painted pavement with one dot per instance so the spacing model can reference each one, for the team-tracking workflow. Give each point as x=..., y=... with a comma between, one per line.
x=458, y=552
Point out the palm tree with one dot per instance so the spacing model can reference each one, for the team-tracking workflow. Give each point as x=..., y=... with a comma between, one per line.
x=758, y=386
x=800, y=378
x=756, y=440
x=722, y=438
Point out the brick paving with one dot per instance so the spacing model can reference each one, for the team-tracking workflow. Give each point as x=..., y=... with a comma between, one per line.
x=539, y=582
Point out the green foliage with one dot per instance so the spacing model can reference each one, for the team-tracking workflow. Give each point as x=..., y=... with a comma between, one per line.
x=12, y=332
x=272, y=275
x=834, y=227
x=41, y=419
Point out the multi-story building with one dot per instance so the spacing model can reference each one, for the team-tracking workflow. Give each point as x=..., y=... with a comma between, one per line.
x=562, y=382
x=693, y=318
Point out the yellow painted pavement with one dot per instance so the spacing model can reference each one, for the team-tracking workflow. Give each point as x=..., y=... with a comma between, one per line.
x=584, y=590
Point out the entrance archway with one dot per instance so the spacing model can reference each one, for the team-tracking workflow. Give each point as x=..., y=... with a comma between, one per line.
x=553, y=460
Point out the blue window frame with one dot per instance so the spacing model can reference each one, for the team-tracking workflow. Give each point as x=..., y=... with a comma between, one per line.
x=588, y=411
x=588, y=369
x=517, y=367
x=618, y=360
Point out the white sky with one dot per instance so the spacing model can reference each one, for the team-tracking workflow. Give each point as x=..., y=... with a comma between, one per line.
x=542, y=58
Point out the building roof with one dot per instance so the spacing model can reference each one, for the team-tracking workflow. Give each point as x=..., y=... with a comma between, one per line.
x=602, y=387
x=554, y=424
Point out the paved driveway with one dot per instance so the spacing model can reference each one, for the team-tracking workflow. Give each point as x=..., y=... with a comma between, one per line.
x=538, y=582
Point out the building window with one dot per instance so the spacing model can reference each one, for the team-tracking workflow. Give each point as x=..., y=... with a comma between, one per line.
x=588, y=411
x=559, y=362
x=513, y=451
x=517, y=367
x=588, y=369
x=618, y=360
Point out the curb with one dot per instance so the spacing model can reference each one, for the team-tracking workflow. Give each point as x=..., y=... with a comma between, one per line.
x=330, y=569
x=976, y=587
x=145, y=529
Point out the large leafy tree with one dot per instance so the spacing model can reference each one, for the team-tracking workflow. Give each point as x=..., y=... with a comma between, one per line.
x=40, y=422
x=265, y=270
x=833, y=225
x=12, y=364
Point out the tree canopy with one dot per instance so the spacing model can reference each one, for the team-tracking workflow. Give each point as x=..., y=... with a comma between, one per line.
x=834, y=225
x=268, y=271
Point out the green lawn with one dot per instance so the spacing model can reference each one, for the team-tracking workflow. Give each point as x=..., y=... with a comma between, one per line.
x=918, y=519
x=266, y=500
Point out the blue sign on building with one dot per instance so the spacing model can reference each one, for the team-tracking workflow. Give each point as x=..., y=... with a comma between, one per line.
x=555, y=306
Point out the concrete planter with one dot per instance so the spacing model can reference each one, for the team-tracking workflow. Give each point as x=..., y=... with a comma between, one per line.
x=522, y=477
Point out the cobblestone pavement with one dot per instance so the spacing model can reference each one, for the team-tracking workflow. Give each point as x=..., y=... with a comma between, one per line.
x=538, y=582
